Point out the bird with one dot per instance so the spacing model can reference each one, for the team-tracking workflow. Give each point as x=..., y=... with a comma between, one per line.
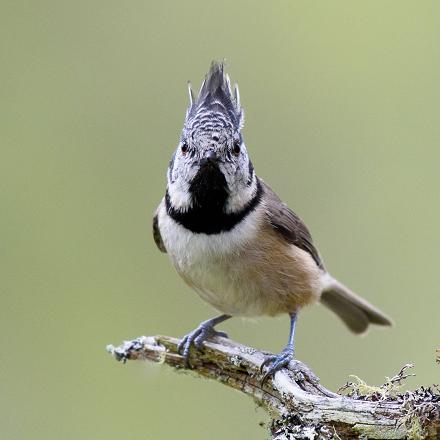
x=231, y=238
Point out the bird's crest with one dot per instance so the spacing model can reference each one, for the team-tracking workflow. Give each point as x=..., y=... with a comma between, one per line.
x=215, y=100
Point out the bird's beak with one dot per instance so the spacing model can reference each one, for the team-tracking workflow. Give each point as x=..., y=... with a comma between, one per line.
x=210, y=157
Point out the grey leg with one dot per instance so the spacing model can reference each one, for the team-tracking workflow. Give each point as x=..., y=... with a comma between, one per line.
x=281, y=360
x=204, y=331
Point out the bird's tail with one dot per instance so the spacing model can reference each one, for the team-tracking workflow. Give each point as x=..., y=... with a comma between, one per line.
x=356, y=313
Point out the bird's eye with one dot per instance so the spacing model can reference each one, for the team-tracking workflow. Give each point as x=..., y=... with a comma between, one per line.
x=236, y=148
x=184, y=148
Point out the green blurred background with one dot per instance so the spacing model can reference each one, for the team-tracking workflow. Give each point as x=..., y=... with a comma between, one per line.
x=342, y=110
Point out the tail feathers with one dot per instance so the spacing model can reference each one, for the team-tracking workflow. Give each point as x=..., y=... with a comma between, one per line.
x=356, y=313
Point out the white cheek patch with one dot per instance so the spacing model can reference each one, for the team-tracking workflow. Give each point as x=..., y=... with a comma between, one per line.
x=179, y=195
x=241, y=195
x=178, y=185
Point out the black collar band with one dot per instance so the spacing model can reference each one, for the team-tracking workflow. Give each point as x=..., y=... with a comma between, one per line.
x=212, y=220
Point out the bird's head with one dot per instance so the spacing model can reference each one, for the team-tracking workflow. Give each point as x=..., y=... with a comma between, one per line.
x=210, y=165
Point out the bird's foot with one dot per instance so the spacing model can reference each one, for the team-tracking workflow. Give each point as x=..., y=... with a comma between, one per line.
x=276, y=362
x=203, y=332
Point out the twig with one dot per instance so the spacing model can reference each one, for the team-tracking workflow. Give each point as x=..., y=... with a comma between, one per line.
x=298, y=404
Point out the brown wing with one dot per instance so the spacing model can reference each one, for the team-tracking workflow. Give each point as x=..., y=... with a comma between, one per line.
x=288, y=224
x=156, y=235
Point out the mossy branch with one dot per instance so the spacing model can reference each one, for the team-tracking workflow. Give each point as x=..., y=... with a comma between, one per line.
x=300, y=407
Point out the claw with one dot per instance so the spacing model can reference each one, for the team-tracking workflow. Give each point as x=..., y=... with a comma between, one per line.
x=278, y=362
x=197, y=337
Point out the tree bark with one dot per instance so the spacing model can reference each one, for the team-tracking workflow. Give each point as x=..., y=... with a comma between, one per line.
x=299, y=406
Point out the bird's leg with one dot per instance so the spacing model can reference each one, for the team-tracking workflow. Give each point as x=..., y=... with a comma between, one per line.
x=204, y=331
x=281, y=360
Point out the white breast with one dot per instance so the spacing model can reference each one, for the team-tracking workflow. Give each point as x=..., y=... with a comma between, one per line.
x=212, y=264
